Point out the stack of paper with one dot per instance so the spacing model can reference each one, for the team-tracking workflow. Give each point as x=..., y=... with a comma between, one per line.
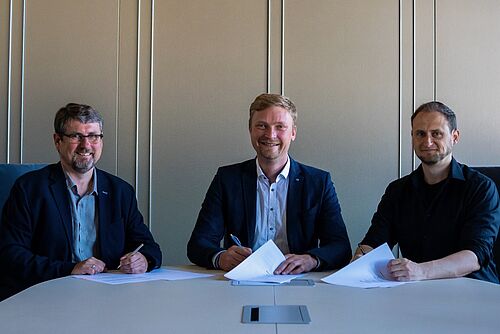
x=369, y=271
x=260, y=266
x=155, y=275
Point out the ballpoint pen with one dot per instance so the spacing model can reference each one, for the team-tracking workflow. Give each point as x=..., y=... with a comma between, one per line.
x=236, y=240
x=361, y=249
x=135, y=251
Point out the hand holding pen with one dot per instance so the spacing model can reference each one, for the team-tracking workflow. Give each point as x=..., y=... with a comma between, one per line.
x=234, y=255
x=236, y=240
x=133, y=262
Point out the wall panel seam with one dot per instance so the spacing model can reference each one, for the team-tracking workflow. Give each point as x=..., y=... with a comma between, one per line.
x=151, y=86
x=21, y=123
x=400, y=93
x=9, y=86
x=268, y=69
x=414, y=71
x=137, y=94
x=282, y=47
x=117, y=97
x=434, y=25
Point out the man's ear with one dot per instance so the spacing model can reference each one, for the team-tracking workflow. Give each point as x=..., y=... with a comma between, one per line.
x=57, y=141
x=294, y=132
x=455, y=136
x=56, y=138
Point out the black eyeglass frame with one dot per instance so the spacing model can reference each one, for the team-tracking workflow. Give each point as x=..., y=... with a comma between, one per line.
x=78, y=137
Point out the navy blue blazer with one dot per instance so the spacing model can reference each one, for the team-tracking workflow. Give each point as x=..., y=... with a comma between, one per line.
x=36, y=230
x=313, y=219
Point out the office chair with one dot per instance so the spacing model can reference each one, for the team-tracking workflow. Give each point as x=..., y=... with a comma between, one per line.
x=9, y=174
x=494, y=174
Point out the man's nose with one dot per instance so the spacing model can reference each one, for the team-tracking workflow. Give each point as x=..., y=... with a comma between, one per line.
x=429, y=140
x=84, y=142
x=271, y=132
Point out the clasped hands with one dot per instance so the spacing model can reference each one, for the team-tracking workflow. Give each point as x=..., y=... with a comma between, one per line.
x=130, y=263
x=293, y=264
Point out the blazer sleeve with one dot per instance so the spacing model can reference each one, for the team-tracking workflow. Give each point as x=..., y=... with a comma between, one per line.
x=19, y=231
x=121, y=225
x=209, y=228
x=137, y=233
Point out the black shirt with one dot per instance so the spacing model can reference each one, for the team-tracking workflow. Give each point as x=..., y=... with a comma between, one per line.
x=464, y=214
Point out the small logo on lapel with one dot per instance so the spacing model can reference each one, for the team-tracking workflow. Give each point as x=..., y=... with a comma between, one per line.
x=104, y=192
x=297, y=179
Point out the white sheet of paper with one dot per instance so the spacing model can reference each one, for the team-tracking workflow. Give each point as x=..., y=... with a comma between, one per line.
x=154, y=275
x=260, y=266
x=369, y=271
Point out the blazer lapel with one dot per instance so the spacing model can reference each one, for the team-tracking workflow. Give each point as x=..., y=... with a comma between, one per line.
x=104, y=209
x=59, y=189
x=249, y=184
x=294, y=205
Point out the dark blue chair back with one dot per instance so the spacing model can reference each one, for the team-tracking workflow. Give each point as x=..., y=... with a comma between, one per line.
x=9, y=174
x=494, y=174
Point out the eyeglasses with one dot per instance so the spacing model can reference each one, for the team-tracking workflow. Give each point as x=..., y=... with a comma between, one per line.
x=76, y=138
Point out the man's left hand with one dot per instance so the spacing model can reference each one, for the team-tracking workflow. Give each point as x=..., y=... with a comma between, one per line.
x=131, y=263
x=296, y=264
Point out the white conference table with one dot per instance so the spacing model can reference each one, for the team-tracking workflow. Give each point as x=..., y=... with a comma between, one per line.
x=213, y=305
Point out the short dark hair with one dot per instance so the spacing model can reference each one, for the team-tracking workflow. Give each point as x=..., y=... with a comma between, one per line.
x=76, y=111
x=440, y=108
x=264, y=101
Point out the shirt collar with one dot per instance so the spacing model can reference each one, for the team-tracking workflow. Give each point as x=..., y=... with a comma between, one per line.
x=456, y=170
x=284, y=172
x=72, y=185
x=454, y=173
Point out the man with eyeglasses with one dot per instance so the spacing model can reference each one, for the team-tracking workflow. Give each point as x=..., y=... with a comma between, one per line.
x=71, y=218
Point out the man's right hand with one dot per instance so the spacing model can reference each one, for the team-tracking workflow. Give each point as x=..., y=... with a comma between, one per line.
x=233, y=256
x=360, y=251
x=90, y=266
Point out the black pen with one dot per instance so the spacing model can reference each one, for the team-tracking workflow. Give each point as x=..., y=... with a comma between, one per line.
x=361, y=249
x=236, y=240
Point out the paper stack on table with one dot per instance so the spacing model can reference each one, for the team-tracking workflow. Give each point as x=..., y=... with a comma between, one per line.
x=260, y=266
x=369, y=271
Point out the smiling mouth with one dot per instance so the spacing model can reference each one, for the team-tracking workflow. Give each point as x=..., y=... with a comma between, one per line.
x=84, y=154
x=268, y=144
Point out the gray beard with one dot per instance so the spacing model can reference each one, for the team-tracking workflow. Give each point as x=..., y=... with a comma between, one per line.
x=83, y=167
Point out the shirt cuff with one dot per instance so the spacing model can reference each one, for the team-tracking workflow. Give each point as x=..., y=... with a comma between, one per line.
x=215, y=259
x=319, y=263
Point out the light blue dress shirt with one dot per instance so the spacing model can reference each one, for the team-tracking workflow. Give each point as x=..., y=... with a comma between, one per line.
x=84, y=219
x=270, y=215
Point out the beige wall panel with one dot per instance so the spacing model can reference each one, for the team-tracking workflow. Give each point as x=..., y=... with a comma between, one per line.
x=407, y=84
x=13, y=149
x=71, y=55
x=342, y=71
x=144, y=96
x=127, y=82
x=424, y=53
x=468, y=75
x=275, y=34
x=4, y=68
x=210, y=62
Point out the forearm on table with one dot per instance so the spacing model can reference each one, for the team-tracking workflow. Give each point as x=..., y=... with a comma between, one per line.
x=457, y=264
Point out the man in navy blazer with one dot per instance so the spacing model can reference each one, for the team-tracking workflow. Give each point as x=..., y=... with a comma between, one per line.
x=272, y=197
x=70, y=217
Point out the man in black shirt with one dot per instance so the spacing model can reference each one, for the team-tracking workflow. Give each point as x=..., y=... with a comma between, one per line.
x=445, y=216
